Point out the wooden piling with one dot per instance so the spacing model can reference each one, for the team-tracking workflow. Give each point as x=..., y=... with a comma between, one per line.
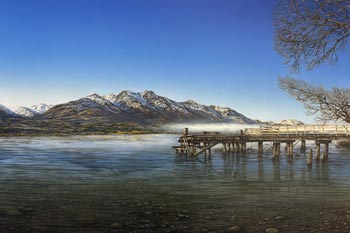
x=318, y=150
x=243, y=147
x=290, y=148
x=237, y=147
x=185, y=131
x=303, y=145
x=193, y=152
x=326, y=150
x=276, y=148
x=224, y=147
x=309, y=158
x=260, y=147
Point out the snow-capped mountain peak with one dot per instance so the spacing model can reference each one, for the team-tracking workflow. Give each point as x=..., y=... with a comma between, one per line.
x=148, y=92
x=191, y=102
x=98, y=99
x=111, y=97
x=6, y=110
x=41, y=108
x=94, y=96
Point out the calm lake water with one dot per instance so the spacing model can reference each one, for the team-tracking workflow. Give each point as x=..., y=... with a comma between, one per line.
x=136, y=183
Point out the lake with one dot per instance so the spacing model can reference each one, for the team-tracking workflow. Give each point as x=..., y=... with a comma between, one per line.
x=136, y=183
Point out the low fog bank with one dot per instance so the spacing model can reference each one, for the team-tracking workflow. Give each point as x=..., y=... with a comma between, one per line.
x=212, y=127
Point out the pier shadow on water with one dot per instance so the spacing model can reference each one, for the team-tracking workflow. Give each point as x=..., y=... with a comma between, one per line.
x=138, y=184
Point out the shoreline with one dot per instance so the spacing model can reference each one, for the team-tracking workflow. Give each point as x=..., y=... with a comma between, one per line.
x=78, y=134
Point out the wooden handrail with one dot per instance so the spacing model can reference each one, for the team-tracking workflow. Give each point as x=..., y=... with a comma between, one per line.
x=298, y=131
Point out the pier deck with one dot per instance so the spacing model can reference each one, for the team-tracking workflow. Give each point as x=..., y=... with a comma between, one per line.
x=194, y=144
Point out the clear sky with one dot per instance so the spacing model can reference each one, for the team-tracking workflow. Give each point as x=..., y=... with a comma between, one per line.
x=212, y=51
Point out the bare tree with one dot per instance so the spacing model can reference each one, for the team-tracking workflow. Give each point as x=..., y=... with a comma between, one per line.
x=329, y=105
x=311, y=32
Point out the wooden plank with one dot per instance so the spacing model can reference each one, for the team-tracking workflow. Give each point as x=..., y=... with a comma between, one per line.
x=205, y=148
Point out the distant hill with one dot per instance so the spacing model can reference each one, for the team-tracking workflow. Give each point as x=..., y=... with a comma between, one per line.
x=288, y=122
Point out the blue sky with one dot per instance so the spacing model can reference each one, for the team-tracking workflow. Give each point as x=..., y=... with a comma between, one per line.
x=212, y=51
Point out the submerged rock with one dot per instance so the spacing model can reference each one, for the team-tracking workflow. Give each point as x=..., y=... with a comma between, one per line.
x=271, y=230
x=234, y=229
x=279, y=217
x=14, y=213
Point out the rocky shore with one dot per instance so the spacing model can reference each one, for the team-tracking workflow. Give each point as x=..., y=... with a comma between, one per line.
x=139, y=206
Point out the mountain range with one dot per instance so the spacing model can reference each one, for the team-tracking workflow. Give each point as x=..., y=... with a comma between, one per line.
x=136, y=108
x=21, y=111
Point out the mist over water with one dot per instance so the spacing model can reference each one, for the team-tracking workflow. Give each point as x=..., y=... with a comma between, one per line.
x=226, y=128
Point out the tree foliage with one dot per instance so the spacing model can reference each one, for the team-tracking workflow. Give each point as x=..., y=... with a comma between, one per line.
x=311, y=32
x=329, y=105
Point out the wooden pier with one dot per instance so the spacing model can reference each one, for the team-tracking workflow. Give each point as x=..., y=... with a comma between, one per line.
x=290, y=136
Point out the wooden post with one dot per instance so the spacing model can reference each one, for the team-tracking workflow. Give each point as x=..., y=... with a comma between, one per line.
x=193, y=152
x=260, y=147
x=276, y=147
x=185, y=131
x=290, y=148
x=326, y=151
x=318, y=149
x=233, y=146
x=309, y=158
x=303, y=145
x=224, y=148
x=237, y=147
x=244, y=146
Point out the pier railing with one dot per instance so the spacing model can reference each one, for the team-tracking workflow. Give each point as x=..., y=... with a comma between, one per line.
x=300, y=130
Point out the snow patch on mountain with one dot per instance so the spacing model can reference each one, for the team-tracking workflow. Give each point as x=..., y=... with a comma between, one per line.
x=98, y=99
x=231, y=114
x=129, y=101
x=21, y=111
x=163, y=104
x=95, y=100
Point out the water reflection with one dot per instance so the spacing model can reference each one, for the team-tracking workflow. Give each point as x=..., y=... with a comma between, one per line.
x=252, y=167
x=261, y=168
